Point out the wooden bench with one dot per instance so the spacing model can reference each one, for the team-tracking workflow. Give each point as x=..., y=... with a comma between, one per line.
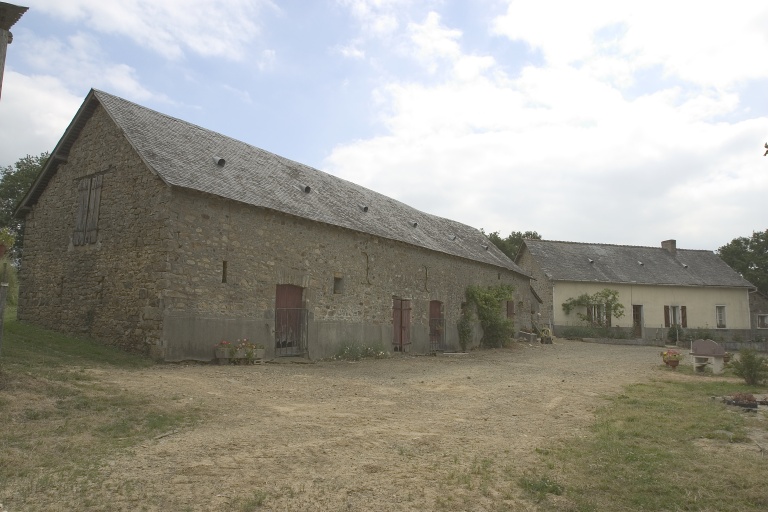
x=707, y=353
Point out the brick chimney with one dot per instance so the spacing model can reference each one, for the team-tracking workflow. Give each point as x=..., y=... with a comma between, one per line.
x=670, y=246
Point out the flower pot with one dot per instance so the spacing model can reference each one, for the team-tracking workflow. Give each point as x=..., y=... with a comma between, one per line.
x=672, y=362
x=222, y=355
x=258, y=353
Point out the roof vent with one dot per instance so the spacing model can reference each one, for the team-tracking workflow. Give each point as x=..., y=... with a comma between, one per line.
x=452, y=237
x=363, y=207
x=484, y=246
x=219, y=161
x=685, y=265
x=414, y=223
x=640, y=263
x=591, y=260
x=305, y=188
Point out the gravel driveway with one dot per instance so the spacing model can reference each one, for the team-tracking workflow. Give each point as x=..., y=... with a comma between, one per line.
x=451, y=432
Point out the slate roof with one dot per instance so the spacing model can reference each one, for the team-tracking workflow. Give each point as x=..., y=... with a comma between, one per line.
x=182, y=155
x=571, y=261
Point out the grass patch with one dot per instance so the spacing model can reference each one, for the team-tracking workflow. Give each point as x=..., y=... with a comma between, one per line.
x=661, y=446
x=61, y=421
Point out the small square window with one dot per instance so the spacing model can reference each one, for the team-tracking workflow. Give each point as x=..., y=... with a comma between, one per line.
x=762, y=321
x=338, y=285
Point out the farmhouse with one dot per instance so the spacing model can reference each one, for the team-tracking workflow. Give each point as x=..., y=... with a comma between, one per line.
x=659, y=287
x=159, y=236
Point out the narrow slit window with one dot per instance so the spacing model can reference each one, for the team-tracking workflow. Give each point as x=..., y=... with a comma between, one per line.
x=224, y=271
x=338, y=285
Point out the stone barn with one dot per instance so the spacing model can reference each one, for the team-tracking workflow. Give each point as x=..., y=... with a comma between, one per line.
x=158, y=236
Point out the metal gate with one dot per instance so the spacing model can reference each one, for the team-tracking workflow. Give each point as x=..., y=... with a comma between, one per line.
x=401, y=322
x=290, y=321
x=436, y=326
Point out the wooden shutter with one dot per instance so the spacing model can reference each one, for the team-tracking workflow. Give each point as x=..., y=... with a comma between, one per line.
x=81, y=217
x=683, y=316
x=666, y=316
x=92, y=225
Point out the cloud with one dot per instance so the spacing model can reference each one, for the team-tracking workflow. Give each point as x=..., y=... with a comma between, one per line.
x=210, y=28
x=41, y=107
x=708, y=43
x=81, y=64
x=609, y=140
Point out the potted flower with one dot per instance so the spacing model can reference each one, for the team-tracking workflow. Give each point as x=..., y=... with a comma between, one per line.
x=248, y=352
x=671, y=358
x=224, y=351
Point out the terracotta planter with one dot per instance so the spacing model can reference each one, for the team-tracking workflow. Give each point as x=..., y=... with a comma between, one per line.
x=672, y=362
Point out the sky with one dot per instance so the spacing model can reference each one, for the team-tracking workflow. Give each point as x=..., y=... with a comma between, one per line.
x=593, y=121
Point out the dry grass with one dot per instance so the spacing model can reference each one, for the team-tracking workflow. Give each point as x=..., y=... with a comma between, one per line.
x=59, y=421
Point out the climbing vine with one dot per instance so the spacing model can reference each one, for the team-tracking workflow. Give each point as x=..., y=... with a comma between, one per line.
x=487, y=302
x=607, y=298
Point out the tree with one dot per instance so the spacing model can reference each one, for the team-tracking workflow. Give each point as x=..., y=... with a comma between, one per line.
x=749, y=257
x=513, y=242
x=600, y=307
x=15, y=181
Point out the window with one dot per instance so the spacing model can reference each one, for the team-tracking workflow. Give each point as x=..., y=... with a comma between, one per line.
x=510, y=309
x=762, y=321
x=720, y=313
x=87, y=218
x=338, y=284
x=675, y=315
x=596, y=315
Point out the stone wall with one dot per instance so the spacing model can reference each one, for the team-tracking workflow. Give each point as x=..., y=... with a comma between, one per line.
x=110, y=289
x=263, y=248
x=173, y=271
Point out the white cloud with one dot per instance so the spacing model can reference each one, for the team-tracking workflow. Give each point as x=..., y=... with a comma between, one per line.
x=213, y=28
x=379, y=18
x=79, y=63
x=564, y=148
x=709, y=43
x=41, y=108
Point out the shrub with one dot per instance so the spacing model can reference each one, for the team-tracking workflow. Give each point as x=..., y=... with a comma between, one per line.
x=497, y=330
x=751, y=367
x=356, y=351
x=464, y=326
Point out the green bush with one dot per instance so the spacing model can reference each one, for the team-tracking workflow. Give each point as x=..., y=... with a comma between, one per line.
x=751, y=367
x=464, y=326
x=497, y=330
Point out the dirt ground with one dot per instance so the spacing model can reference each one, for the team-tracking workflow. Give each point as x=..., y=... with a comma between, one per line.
x=449, y=432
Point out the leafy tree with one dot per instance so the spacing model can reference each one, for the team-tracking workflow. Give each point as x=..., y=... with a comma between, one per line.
x=15, y=181
x=749, y=257
x=497, y=329
x=607, y=298
x=512, y=243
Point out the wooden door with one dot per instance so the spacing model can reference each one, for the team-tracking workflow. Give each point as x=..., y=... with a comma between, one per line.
x=436, y=326
x=637, y=321
x=290, y=320
x=401, y=322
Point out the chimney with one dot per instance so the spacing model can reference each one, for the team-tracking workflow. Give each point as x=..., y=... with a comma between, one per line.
x=670, y=246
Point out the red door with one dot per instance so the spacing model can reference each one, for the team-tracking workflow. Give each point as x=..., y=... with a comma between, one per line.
x=401, y=321
x=436, y=326
x=290, y=320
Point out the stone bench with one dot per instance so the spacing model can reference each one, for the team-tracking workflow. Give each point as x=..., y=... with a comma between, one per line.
x=706, y=353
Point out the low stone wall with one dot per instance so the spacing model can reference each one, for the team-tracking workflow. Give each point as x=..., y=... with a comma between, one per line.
x=629, y=342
